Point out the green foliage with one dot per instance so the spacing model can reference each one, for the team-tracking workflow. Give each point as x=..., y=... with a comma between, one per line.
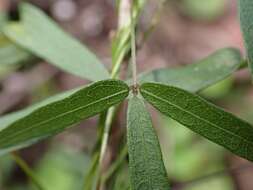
x=246, y=15
x=12, y=117
x=202, y=117
x=168, y=90
x=200, y=75
x=57, y=116
x=147, y=171
x=37, y=33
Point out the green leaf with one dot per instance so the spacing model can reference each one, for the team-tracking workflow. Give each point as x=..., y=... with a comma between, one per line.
x=147, y=171
x=40, y=35
x=57, y=116
x=202, y=117
x=14, y=116
x=246, y=16
x=200, y=75
x=10, y=53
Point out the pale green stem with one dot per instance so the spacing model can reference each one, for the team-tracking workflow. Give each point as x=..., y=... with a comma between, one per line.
x=124, y=19
x=133, y=52
x=108, y=123
x=117, y=65
x=92, y=171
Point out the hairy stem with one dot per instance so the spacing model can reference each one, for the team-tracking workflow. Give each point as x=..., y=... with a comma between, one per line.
x=133, y=54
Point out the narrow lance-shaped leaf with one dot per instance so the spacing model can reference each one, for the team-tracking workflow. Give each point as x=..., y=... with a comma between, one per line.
x=199, y=75
x=39, y=34
x=10, y=118
x=147, y=171
x=202, y=117
x=57, y=116
x=246, y=18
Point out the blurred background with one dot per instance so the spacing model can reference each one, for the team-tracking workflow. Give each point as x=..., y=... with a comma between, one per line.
x=187, y=30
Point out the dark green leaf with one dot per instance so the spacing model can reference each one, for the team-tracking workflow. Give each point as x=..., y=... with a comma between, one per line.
x=246, y=18
x=57, y=116
x=202, y=117
x=200, y=75
x=12, y=117
x=147, y=171
x=39, y=34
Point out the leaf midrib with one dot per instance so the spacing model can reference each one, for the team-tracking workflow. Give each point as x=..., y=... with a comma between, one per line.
x=196, y=116
x=64, y=114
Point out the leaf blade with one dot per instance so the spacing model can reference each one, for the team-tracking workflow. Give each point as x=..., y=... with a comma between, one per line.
x=199, y=75
x=14, y=116
x=202, y=117
x=246, y=14
x=57, y=116
x=39, y=34
x=147, y=170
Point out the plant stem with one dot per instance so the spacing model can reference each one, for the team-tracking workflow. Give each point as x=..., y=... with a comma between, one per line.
x=125, y=25
x=125, y=33
x=92, y=171
x=124, y=22
x=27, y=170
x=108, y=123
x=133, y=54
